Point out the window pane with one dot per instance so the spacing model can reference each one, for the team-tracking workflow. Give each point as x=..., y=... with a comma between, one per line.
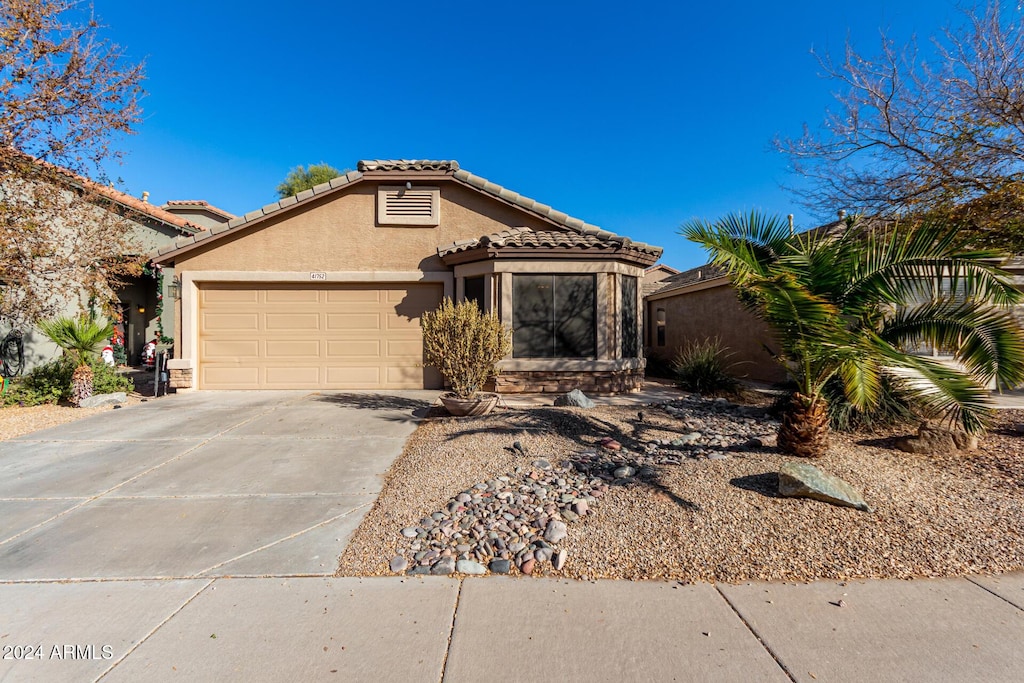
x=474, y=290
x=629, y=320
x=532, y=322
x=553, y=316
x=574, y=316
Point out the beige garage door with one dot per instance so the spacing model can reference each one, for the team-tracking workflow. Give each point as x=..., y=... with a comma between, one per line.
x=300, y=337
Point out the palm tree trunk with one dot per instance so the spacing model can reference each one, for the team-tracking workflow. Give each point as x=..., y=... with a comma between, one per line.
x=81, y=384
x=804, y=431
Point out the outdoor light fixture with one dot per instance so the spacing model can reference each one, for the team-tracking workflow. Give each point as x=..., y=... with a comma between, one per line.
x=174, y=289
x=142, y=309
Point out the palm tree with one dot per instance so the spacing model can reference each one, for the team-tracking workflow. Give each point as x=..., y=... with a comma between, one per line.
x=80, y=338
x=849, y=306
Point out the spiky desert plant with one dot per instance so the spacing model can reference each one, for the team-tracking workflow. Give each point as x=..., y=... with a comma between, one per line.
x=850, y=306
x=464, y=344
x=80, y=338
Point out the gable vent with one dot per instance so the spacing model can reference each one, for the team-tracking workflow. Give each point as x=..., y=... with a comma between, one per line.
x=397, y=205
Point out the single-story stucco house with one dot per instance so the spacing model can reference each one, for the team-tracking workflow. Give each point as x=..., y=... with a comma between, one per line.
x=325, y=290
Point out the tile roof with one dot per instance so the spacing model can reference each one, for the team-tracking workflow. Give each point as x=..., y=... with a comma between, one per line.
x=406, y=165
x=199, y=204
x=525, y=238
x=689, y=277
x=400, y=166
x=125, y=200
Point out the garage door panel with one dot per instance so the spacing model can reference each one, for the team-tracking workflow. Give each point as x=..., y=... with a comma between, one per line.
x=291, y=321
x=216, y=295
x=354, y=348
x=291, y=296
x=230, y=322
x=354, y=322
x=292, y=348
x=353, y=295
x=229, y=377
x=364, y=336
x=292, y=377
x=230, y=350
x=355, y=377
x=408, y=348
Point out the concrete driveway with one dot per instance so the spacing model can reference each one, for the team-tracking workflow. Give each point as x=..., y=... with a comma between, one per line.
x=199, y=485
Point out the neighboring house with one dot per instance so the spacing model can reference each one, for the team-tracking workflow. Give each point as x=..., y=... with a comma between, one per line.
x=655, y=276
x=700, y=304
x=150, y=227
x=325, y=290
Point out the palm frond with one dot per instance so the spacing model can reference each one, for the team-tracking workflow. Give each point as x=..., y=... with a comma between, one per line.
x=985, y=339
x=80, y=337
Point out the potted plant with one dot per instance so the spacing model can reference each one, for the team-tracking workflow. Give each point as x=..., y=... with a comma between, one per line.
x=465, y=345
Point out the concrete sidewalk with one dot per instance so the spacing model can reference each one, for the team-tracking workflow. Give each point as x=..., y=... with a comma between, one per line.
x=431, y=629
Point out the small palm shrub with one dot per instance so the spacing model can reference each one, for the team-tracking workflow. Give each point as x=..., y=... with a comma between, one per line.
x=892, y=408
x=81, y=338
x=51, y=382
x=704, y=367
x=465, y=345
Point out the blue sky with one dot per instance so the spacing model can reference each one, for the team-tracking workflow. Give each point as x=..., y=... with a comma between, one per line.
x=632, y=116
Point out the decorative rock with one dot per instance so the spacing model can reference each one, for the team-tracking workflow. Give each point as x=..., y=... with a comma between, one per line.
x=542, y=464
x=555, y=531
x=470, y=567
x=575, y=399
x=500, y=566
x=798, y=479
x=934, y=439
x=444, y=566
x=558, y=561
x=409, y=532
x=716, y=455
x=624, y=472
x=527, y=566
x=543, y=554
x=100, y=400
x=419, y=569
x=611, y=444
x=398, y=564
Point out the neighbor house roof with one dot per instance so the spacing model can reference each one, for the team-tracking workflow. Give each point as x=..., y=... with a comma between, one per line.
x=198, y=204
x=124, y=200
x=376, y=168
x=704, y=273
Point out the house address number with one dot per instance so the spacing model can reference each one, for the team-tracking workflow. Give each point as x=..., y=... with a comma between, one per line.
x=318, y=276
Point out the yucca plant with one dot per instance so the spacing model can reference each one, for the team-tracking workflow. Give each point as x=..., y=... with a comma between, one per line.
x=464, y=344
x=849, y=306
x=80, y=338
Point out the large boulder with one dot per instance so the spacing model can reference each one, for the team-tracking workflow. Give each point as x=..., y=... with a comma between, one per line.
x=574, y=399
x=99, y=400
x=934, y=439
x=801, y=480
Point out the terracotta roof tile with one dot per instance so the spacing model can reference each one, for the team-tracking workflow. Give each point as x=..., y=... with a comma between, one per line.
x=406, y=165
x=525, y=238
x=199, y=204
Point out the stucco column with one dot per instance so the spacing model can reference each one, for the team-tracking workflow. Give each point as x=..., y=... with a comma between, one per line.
x=505, y=309
x=605, y=326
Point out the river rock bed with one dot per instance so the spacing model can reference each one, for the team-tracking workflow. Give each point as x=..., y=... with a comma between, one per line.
x=684, y=490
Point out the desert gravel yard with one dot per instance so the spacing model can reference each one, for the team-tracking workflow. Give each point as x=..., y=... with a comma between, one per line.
x=695, y=502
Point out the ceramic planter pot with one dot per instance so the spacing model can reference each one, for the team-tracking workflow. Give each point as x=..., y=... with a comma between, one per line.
x=480, y=404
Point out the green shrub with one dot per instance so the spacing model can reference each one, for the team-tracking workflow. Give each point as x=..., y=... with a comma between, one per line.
x=51, y=382
x=892, y=408
x=465, y=345
x=704, y=367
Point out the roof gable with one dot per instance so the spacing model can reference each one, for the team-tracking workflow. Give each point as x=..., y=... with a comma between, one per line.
x=391, y=171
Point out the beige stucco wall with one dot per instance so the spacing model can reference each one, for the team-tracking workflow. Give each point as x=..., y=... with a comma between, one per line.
x=339, y=233
x=715, y=312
